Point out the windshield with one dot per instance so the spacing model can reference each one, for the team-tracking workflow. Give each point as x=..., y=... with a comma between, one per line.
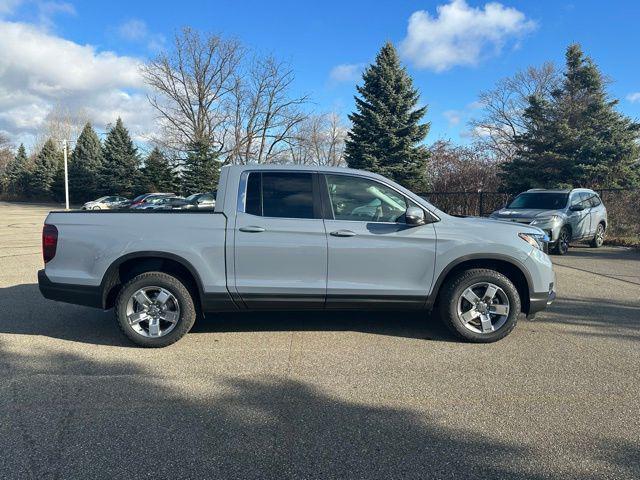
x=190, y=198
x=540, y=201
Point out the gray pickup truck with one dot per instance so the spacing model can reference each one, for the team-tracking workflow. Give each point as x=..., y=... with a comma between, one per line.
x=294, y=238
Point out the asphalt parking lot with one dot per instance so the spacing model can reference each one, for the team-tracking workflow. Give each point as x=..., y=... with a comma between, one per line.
x=313, y=395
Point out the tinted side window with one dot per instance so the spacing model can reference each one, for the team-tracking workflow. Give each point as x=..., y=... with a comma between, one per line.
x=254, y=194
x=586, y=199
x=355, y=198
x=280, y=194
x=576, y=199
x=595, y=201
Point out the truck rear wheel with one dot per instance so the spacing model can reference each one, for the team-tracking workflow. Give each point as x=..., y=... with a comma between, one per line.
x=155, y=309
x=480, y=305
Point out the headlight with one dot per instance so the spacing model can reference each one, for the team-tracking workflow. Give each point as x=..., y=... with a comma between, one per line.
x=543, y=220
x=536, y=240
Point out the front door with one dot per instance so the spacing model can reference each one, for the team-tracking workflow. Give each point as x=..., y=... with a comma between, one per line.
x=375, y=258
x=280, y=251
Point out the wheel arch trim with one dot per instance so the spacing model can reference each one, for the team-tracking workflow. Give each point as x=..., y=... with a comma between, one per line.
x=437, y=285
x=111, y=278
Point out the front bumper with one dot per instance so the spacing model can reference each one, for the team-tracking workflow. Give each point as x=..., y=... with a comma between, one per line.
x=540, y=301
x=69, y=293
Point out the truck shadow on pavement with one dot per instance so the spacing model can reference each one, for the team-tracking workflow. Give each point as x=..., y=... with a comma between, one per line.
x=596, y=317
x=73, y=416
x=24, y=311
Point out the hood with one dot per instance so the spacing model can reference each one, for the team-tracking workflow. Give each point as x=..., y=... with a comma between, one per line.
x=493, y=223
x=523, y=214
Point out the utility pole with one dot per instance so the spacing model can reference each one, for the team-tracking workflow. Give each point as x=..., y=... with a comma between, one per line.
x=66, y=175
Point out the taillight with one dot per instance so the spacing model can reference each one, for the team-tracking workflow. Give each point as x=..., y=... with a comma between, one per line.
x=49, y=242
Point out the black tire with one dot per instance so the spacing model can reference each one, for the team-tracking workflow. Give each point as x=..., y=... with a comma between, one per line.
x=598, y=239
x=451, y=295
x=562, y=244
x=187, y=311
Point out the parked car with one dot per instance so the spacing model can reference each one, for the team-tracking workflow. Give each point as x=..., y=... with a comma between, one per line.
x=285, y=237
x=201, y=201
x=170, y=203
x=143, y=201
x=565, y=216
x=105, y=203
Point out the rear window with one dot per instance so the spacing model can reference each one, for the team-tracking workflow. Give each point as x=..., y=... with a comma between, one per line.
x=540, y=201
x=280, y=194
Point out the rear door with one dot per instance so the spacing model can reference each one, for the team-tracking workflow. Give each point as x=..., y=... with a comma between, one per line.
x=580, y=220
x=280, y=244
x=598, y=213
x=375, y=258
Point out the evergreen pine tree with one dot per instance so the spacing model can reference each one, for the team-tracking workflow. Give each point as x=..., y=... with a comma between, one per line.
x=44, y=171
x=201, y=170
x=17, y=174
x=604, y=142
x=157, y=174
x=386, y=135
x=57, y=187
x=85, y=164
x=576, y=138
x=119, y=173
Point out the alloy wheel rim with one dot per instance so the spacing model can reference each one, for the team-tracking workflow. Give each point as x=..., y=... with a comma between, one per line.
x=600, y=235
x=483, y=308
x=153, y=312
x=564, y=242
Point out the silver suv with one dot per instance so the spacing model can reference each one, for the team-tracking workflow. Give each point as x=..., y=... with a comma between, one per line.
x=565, y=215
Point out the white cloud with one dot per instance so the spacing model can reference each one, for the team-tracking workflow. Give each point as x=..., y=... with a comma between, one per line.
x=8, y=6
x=47, y=10
x=634, y=97
x=460, y=34
x=39, y=11
x=39, y=71
x=452, y=116
x=346, y=72
x=135, y=30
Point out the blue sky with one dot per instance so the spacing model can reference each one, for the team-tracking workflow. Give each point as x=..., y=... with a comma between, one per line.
x=456, y=50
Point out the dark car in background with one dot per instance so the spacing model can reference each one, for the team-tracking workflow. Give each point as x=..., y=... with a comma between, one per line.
x=201, y=201
x=170, y=203
x=146, y=199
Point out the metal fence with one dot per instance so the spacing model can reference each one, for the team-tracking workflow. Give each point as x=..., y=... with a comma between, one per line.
x=474, y=204
x=623, y=206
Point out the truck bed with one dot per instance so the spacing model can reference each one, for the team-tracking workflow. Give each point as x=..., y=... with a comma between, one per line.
x=89, y=242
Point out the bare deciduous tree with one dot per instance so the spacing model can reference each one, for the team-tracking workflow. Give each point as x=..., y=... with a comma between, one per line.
x=264, y=115
x=207, y=94
x=504, y=105
x=462, y=168
x=319, y=140
x=6, y=152
x=191, y=83
x=61, y=123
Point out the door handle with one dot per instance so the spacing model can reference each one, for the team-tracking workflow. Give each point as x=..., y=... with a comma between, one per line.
x=251, y=229
x=343, y=233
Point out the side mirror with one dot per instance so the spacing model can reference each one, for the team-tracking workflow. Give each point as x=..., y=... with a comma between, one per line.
x=576, y=208
x=414, y=216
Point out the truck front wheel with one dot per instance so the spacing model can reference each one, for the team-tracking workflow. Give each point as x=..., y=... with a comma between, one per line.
x=480, y=305
x=155, y=309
